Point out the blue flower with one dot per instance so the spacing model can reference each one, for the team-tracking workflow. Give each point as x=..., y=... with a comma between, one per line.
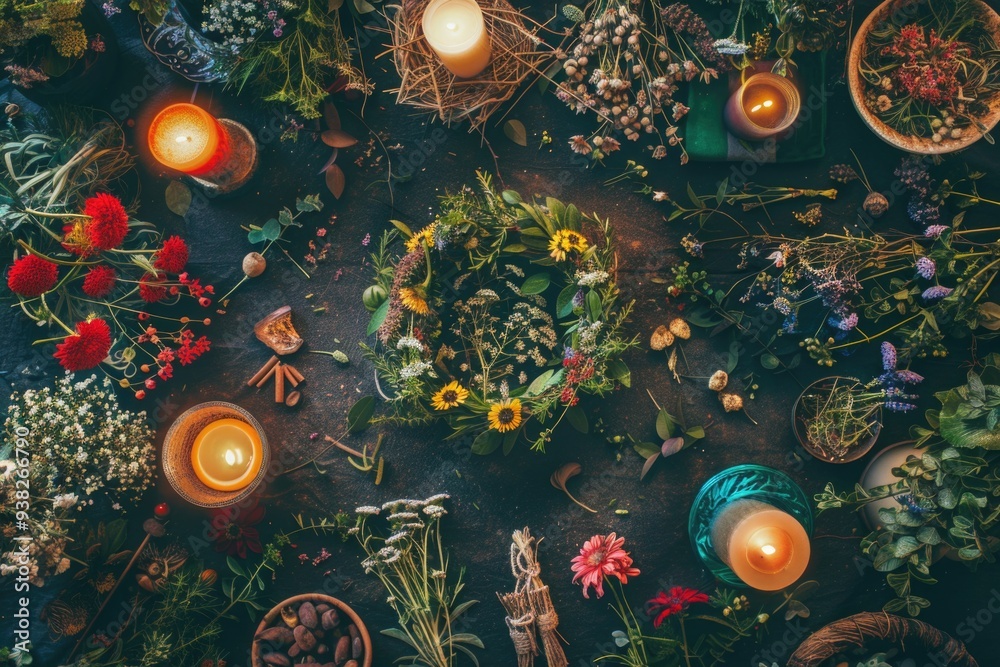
x=923, y=213
x=791, y=323
x=898, y=406
x=888, y=356
x=926, y=267
x=578, y=299
x=844, y=324
x=936, y=292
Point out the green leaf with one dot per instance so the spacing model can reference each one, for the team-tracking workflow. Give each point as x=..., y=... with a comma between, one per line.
x=511, y=197
x=696, y=432
x=538, y=385
x=695, y=199
x=515, y=248
x=720, y=194
x=594, y=308
x=271, y=230
x=402, y=228
x=929, y=535
x=616, y=369
x=509, y=440
x=360, y=415
x=536, y=284
x=577, y=417
x=665, y=425
x=396, y=633
x=234, y=566
x=564, y=302
x=769, y=361
x=255, y=236
x=646, y=449
x=514, y=129
x=486, y=442
x=309, y=204
x=285, y=217
x=648, y=465
x=906, y=545
x=378, y=317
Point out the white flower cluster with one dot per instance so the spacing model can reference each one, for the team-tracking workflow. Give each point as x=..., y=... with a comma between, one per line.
x=83, y=441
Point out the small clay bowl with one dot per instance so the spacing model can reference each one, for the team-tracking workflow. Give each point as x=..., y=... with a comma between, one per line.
x=798, y=418
x=273, y=616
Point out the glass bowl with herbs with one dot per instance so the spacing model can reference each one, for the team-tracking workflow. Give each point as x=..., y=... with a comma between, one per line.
x=837, y=419
x=925, y=77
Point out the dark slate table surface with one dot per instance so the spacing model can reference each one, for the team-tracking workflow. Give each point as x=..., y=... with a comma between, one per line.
x=493, y=496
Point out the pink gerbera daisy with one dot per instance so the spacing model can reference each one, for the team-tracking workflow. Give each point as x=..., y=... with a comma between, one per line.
x=602, y=556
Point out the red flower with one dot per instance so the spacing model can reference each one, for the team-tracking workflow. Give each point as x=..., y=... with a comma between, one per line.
x=173, y=256
x=108, y=224
x=233, y=530
x=32, y=276
x=602, y=556
x=87, y=347
x=99, y=281
x=191, y=349
x=671, y=602
x=151, y=288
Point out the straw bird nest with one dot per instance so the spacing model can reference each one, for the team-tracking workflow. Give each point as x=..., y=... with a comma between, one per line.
x=427, y=84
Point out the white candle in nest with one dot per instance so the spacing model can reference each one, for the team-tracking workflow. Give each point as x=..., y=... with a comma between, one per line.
x=456, y=31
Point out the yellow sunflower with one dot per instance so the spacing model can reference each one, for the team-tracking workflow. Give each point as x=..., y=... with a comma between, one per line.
x=565, y=241
x=505, y=415
x=449, y=396
x=424, y=237
x=413, y=299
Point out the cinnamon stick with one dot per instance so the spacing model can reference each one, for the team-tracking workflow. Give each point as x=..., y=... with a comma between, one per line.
x=268, y=375
x=289, y=375
x=263, y=372
x=279, y=384
x=295, y=372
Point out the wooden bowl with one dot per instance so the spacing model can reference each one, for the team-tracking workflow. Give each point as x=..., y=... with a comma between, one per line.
x=858, y=86
x=857, y=451
x=176, y=454
x=275, y=614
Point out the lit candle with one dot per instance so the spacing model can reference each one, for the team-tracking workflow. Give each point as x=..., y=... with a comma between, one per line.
x=768, y=549
x=227, y=454
x=187, y=138
x=879, y=473
x=764, y=106
x=456, y=31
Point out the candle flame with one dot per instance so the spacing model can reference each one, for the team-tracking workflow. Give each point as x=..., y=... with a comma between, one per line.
x=768, y=549
x=182, y=138
x=452, y=26
x=230, y=457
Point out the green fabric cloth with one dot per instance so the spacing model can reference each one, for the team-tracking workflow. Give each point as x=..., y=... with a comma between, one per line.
x=708, y=140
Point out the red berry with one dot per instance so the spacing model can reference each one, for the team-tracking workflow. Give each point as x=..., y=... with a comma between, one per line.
x=161, y=511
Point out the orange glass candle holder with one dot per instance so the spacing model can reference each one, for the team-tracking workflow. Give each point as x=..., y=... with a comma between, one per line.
x=227, y=454
x=219, y=154
x=766, y=105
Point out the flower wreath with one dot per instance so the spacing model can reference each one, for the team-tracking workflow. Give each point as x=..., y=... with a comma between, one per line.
x=500, y=314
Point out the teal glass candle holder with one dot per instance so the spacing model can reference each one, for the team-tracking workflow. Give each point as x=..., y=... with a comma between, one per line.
x=742, y=482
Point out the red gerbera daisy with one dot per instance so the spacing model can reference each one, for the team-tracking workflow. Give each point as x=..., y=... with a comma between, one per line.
x=173, y=256
x=99, y=281
x=87, y=347
x=32, y=276
x=108, y=224
x=602, y=556
x=233, y=530
x=151, y=288
x=674, y=601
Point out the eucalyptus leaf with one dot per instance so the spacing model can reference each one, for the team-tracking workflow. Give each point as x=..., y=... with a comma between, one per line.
x=515, y=131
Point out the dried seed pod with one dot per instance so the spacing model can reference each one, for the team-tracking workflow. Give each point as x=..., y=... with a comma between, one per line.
x=718, y=381
x=343, y=650
x=731, y=402
x=209, y=576
x=353, y=631
x=357, y=648
x=321, y=649
x=330, y=619
x=351, y=663
x=661, y=338
x=289, y=616
x=875, y=204
x=294, y=651
x=680, y=328
x=275, y=635
x=322, y=608
x=304, y=638
x=254, y=264
x=307, y=615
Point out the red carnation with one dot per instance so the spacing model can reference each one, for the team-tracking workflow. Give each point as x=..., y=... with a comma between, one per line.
x=674, y=601
x=108, y=224
x=173, y=256
x=99, y=281
x=87, y=347
x=151, y=288
x=32, y=276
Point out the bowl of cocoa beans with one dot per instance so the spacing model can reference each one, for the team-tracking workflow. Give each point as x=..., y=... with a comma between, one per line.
x=312, y=629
